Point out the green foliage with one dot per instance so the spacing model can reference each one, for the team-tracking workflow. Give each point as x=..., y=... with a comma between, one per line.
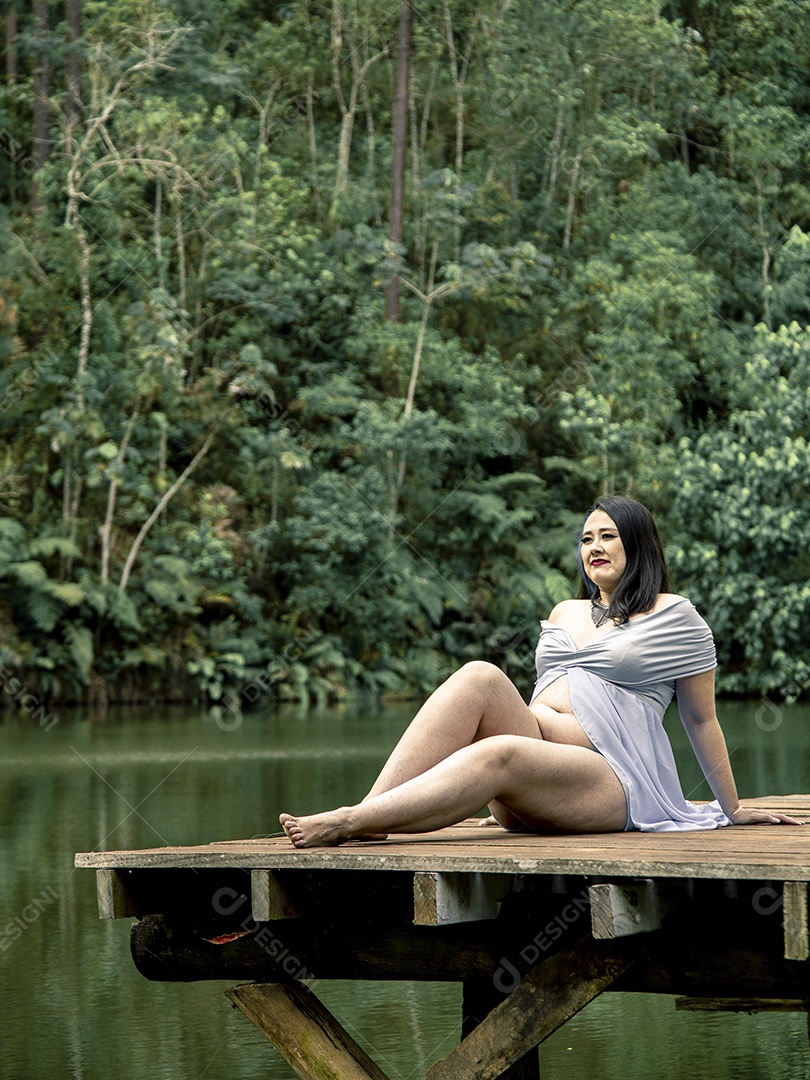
x=223, y=467
x=746, y=484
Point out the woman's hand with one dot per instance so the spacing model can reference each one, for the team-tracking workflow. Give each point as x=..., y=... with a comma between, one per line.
x=745, y=816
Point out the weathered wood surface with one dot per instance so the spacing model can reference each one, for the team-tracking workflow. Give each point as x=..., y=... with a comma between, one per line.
x=271, y=898
x=624, y=910
x=794, y=920
x=304, y=1032
x=114, y=899
x=550, y=994
x=755, y=852
x=440, y=898
x=479, y=998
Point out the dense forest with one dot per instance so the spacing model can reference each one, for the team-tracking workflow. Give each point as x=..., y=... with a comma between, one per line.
x=322, y=324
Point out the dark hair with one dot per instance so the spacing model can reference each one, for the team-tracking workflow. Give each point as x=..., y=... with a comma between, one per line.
x=646, y=574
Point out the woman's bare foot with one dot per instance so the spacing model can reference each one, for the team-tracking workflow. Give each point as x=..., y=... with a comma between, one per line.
x=322, y=830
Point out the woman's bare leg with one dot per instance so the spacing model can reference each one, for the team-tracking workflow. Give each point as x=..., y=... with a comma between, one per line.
x=476, y=702
x=547, y=785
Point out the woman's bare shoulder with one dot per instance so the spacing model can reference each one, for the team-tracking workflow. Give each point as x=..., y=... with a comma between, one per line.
x=566, y=608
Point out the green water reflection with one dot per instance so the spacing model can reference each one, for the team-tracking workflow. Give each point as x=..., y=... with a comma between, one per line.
x=73, y=1004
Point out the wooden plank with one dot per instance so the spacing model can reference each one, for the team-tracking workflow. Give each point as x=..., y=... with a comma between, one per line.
x=425, y=901
x=114, y=901
x=783, y=863
x=549, y=995
x=794, y=920
x=440, y=898
x=781, y=854
x=304, y=1032
x=737, y=1005
x=270, y=898
x=624, y=910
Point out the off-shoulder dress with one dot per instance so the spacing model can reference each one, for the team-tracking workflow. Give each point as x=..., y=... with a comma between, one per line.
x=620, y=686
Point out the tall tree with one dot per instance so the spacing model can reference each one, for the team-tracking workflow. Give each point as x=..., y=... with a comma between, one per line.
x=344, y=34
x=400, y=137
x=42, y=87
x=73, y=64
x=11, y=43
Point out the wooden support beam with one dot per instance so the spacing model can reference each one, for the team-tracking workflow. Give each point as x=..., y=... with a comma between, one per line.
x=550, y=994
x=441, y=898
x=480, y=997
x=737, y=1005
x=794, y=920
x=270, y=899
x=304, y=1032
x=114, y=900
x=623, y=910
x=169, y=951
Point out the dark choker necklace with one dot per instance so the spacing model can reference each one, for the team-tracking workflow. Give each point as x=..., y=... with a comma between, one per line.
x=599, y=611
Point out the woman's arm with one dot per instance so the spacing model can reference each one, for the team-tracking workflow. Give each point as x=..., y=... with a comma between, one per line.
x=698, y=714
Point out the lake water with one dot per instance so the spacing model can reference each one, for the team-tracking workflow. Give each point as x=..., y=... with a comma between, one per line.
x=74, y=1006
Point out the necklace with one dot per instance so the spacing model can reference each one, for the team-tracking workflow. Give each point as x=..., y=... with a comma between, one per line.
x=599, y=612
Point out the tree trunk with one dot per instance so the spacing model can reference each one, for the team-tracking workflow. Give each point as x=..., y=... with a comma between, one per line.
x=766, y=252
x=73, y=66
x=182, y=287
x=105, y=531
x=312, y=143
x=427, y=299
x=87, y=309
x=572, y=201
x=11, y=44
x=157, y=235
x=347, y=111
x=458, y=72
x=42, y=86
x=42, y=110
x=554, y=156
x=400, y=137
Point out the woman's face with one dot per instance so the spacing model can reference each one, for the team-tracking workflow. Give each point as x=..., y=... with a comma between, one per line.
x=602, y=552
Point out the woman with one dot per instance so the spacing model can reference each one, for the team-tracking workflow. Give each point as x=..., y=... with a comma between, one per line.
x=589, y=753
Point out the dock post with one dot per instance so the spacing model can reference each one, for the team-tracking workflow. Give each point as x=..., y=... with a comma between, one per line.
x=304, y=1032
x=480, y=997
x=551, y=993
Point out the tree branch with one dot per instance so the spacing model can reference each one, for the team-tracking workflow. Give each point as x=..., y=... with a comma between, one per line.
x=162, y=503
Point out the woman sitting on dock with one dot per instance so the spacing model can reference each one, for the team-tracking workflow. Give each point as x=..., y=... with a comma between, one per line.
x=589, y=753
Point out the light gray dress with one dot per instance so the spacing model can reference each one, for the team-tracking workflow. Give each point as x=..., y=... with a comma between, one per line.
x=620, y=685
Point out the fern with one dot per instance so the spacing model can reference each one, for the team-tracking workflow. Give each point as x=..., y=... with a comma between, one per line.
x=43, y=610
x=68, y=592
x=12, y=536
x=165, y=593
x=430, y=599
x=46, y=546
x=122, y=610
x=80, y=641
x=144, y=654
x=29, y=573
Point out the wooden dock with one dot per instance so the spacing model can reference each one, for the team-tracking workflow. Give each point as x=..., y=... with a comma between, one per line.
x=534, y=927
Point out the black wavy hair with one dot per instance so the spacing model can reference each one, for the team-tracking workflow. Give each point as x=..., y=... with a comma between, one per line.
x=646, y=574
